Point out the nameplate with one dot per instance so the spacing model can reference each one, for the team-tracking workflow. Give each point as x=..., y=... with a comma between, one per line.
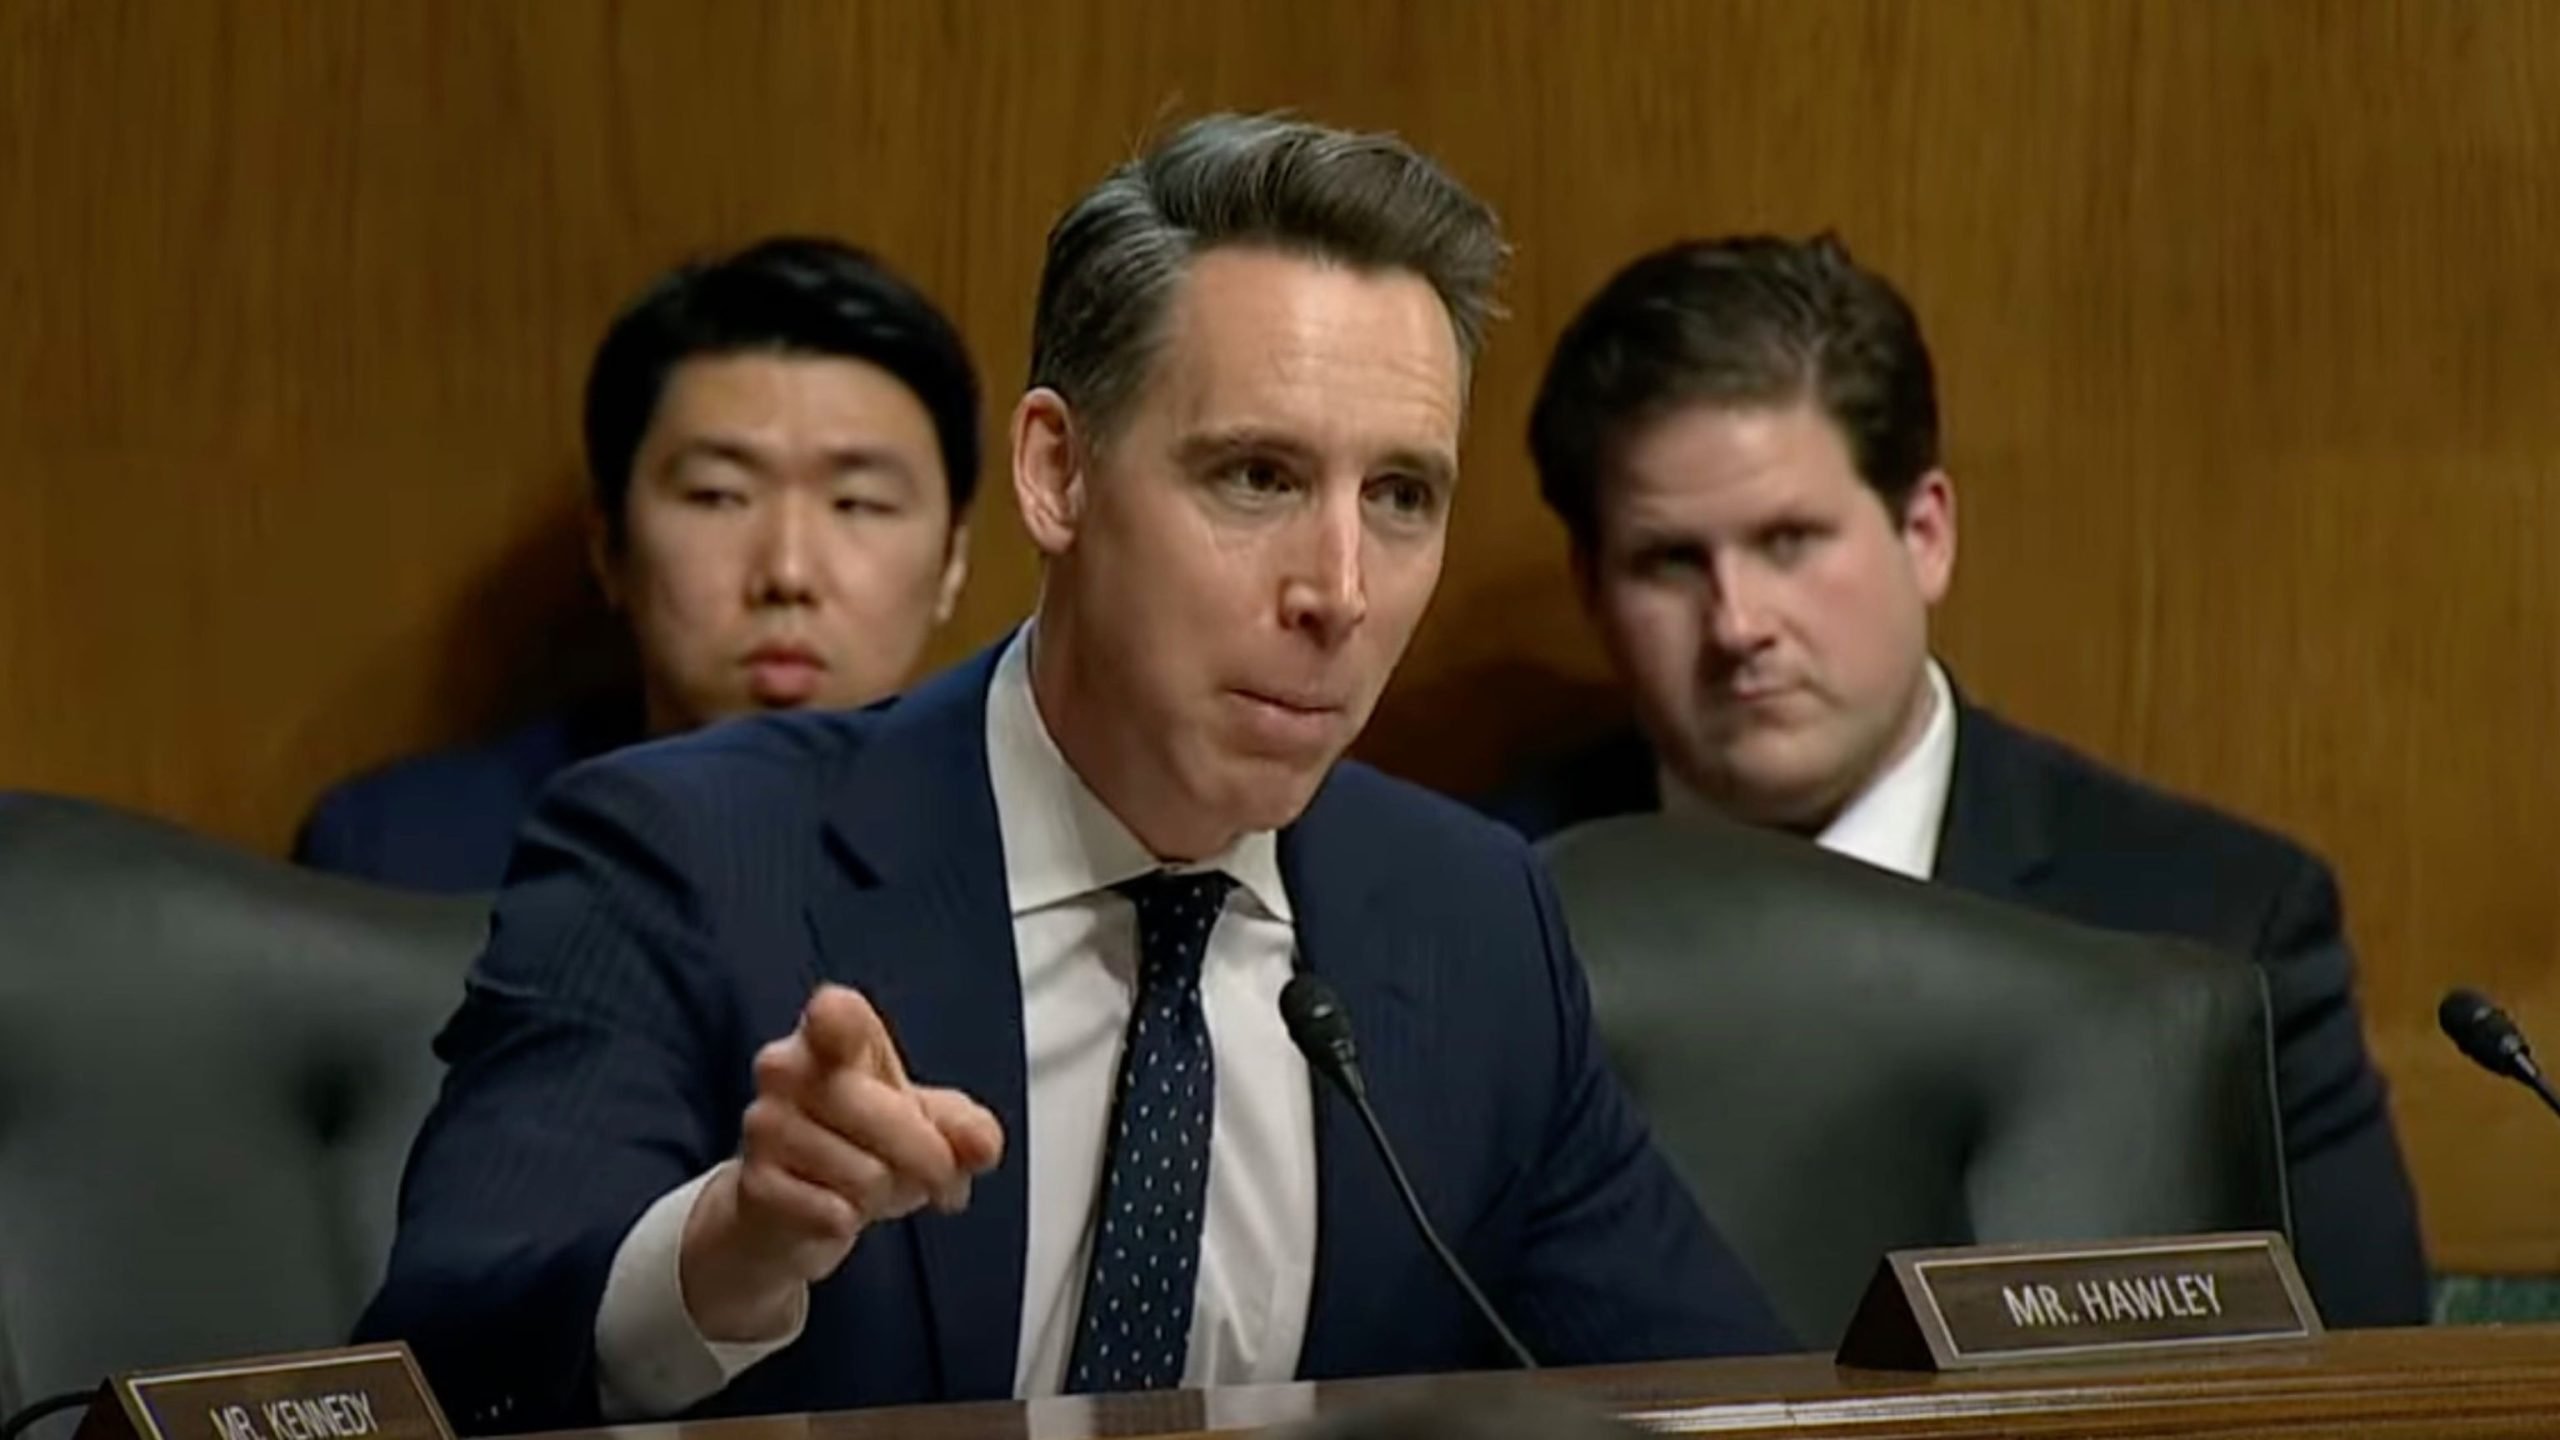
x=371, y=1392
x=1984, y=1305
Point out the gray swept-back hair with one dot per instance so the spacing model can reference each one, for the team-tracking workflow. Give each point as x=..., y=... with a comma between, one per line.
x=1364, y=200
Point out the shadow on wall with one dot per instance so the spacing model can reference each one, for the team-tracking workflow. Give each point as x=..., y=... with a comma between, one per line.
x=1467, y=727
x=527, y=635
x=1470, y=729
x=532, y=635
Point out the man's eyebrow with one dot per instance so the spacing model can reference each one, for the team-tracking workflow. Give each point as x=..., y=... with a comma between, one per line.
x=1227, y=442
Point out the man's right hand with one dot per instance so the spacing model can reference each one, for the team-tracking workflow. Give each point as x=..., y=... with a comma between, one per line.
x=838, y=1138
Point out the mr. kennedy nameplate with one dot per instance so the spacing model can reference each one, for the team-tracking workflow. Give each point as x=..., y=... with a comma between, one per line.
x=371, y=1392
x=1963, y=1309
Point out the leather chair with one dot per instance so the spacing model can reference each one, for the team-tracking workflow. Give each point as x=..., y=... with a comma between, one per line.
x=1842, y=1062
x=211, y=1067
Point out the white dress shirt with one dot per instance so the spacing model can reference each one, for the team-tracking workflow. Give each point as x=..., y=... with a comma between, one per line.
x=1077, y=949
x=1893, y=823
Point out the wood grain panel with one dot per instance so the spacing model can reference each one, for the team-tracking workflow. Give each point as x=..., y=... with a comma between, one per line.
x=2246, y=316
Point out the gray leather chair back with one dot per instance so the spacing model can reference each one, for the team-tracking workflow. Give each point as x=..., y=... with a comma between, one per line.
x=211, y=1067
x=1842, y=1062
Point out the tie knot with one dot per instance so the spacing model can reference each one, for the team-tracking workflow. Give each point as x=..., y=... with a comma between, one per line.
x=1178, y=896
x=1176, y=911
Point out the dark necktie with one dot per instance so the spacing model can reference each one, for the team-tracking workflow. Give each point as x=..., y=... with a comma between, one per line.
x=1135, y=1328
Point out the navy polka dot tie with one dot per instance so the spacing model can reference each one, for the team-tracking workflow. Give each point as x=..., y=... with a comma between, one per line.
x=1135, y=1329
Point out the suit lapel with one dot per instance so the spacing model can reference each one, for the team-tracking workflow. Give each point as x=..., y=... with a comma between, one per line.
x=1997, y=836
x=921, y=924
x=1382, y=979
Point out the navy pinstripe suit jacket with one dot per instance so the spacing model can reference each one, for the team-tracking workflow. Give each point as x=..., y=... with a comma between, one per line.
x=668, y=910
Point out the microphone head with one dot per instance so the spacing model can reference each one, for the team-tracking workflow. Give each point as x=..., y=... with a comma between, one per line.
x=1320, y=1027
x=1313, y=1013
x=2483, y=1031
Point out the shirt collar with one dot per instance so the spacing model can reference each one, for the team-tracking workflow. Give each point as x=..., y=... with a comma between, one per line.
x=1894, y=822
x=1060, y=841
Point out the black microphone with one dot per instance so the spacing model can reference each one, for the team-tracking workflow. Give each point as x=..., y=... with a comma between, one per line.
x=2492, y=1041
x=1321, y=1029
x=20, y=1422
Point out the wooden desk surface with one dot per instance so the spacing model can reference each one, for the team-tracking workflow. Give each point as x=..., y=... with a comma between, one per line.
x=2466, y=1382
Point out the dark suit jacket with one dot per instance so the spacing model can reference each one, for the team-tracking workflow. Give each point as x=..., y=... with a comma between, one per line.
x=2031, y=822
x=447, y=821
x=673, y=904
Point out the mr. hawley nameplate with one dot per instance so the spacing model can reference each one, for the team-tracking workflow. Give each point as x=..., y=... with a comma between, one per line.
x=1983, y=1305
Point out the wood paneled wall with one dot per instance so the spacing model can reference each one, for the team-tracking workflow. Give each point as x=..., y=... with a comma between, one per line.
x=2248, y=317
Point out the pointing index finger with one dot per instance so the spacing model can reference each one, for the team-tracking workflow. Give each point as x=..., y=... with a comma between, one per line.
x=843, y=1029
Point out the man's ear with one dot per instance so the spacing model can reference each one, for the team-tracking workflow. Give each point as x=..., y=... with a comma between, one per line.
x=1929, y=534
x=1582, y=558
x=604, y=554
x=955, y=574
x=1048, y=470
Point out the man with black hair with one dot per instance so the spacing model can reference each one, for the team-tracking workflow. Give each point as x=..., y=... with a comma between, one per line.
x=782, y=445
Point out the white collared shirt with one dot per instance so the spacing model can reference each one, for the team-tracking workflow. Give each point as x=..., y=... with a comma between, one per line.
x=1076, y=946
x=1893, y=824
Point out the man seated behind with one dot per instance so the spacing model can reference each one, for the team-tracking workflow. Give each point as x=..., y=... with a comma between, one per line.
x=933, y=1052
x=1741, y=438
x=782, y=445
